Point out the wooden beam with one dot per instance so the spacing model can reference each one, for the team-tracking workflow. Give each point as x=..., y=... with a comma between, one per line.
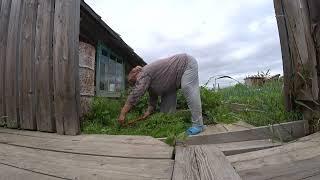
x=284, y=132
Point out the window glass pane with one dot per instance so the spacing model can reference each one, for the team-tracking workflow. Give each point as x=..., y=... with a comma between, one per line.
x=103, y=72
x=119, y=76
x=111, y=73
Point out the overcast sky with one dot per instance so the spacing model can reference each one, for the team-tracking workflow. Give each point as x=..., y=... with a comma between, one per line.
x=228, y=37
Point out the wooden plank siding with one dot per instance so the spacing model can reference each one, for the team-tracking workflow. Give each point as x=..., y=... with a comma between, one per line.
x=4, y=23
x=26, y=66
x=11, y=65
x=44, y=66
x=66, y=34
x=39, y=82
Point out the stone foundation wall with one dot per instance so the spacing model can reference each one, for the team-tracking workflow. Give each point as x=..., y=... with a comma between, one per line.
x=87, y=54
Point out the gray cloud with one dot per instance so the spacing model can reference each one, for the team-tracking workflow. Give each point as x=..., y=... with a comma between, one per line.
x=262, y=46
x=244, y=38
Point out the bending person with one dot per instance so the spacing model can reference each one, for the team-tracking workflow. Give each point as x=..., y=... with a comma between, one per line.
x=163, y=78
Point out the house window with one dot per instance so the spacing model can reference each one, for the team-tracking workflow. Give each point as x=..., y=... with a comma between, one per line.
x=110, y=73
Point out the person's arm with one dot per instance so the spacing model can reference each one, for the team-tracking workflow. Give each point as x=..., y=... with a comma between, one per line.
x=124, y=111
x=153, y=99
x=138, y=90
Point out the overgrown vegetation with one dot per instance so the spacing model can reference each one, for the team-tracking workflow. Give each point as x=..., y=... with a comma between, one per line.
x=258, y=106
x=255, y=105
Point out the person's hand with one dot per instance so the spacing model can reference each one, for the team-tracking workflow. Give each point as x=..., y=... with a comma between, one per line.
x=145, y=115
x=121, y=119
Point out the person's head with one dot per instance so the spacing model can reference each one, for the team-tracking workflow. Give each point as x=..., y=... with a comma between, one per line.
x=133, y=74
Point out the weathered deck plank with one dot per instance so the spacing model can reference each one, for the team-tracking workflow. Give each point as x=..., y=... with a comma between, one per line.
x=88, y=137
x=285, y=131
x=246, y=146
x=202, y=162
x=91, y=147
x=296, y=170
x=185, y=166
x=76, y=166
x=13, y=173
x=304, y=148
x=213, y=164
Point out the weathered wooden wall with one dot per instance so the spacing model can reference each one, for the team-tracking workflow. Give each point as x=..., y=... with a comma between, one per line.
x=39, y=85
x=299, y=36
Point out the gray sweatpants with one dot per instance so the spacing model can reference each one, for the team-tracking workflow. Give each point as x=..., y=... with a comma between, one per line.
x=191, y=91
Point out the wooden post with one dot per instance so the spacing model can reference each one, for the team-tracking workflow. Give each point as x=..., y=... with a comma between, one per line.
x=299, y=56
x=286, y=59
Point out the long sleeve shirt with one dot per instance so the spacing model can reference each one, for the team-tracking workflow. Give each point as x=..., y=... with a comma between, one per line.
x=159, y=78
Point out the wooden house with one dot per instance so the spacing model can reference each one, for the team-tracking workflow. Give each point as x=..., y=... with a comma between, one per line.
x=55, y=55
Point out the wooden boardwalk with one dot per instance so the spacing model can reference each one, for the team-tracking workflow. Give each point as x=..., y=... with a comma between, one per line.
x=232, y=155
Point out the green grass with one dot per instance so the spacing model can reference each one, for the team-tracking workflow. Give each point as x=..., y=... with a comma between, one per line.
x=102, y=119
x=259, y=106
